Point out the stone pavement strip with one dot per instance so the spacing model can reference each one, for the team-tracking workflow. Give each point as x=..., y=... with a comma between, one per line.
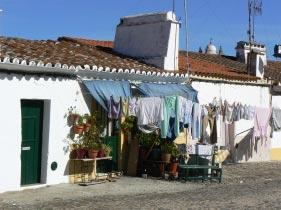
x=245, y=186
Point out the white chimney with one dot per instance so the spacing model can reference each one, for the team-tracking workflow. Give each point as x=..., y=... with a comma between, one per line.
x=154, y=38
x=258, y=59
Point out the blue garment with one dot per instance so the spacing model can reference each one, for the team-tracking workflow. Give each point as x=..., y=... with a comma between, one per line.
x=114, y=108
x=196, y=121
x=171, y=110
x=171, y=135
x=101, y=90
x=161, y=90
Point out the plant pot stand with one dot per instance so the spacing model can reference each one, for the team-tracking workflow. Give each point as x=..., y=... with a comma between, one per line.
x=88, y=177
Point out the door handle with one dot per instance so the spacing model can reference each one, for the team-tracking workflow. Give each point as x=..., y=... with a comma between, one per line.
x=25, y=148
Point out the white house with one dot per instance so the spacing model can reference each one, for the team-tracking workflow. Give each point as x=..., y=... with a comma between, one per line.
x=43, y=79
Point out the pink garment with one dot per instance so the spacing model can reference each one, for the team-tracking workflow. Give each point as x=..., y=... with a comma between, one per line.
x=261, y=120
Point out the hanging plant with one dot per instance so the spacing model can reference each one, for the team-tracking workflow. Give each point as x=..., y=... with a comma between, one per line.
x=87, y=122
x=73, y=115
x=79, y=127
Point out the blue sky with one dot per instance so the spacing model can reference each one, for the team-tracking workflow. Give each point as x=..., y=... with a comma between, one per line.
x=225, y=21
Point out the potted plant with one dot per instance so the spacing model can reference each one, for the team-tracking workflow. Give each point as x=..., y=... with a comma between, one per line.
x=92, y=139
x=87, y=124
x=73, y=115
x=93, y=150
x=174, y=161
x=102, y=151
x=78, y=150
x=107, y=150
x=79, y=126
x=166, y=151
x=150, y=141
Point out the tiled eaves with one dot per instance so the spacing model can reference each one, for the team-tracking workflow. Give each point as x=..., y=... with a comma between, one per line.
x=68, y=53
x=86, y=70
x=75, y=57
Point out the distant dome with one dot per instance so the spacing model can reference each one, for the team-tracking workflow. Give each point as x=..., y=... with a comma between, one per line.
x=211, y=49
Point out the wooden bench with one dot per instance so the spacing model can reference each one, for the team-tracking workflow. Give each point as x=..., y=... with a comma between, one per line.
x=200, y=172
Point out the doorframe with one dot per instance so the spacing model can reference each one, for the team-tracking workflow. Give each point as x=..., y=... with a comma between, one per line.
x=45, y=141
x=45, y=128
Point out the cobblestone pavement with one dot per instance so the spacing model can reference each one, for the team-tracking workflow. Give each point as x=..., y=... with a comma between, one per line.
x=245, y=186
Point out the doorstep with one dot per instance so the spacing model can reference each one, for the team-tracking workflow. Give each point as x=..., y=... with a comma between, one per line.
x=32, y=186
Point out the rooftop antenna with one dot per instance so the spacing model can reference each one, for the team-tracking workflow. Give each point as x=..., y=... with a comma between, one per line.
x=254, y=9
x=174, y=4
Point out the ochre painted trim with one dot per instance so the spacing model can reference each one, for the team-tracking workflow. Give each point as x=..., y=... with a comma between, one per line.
x=275, y=154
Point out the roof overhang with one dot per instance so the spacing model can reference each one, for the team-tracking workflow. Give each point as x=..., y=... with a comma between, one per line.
x=88, y=72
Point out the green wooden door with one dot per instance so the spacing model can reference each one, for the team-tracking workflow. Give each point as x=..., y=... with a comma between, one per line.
x=31, y=147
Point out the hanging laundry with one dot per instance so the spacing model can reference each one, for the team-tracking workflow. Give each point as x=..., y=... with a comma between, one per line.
x=114, y=108
x=213, y=124
x=170, y=124
x=148, y=128
x=261, y=121
x=276, y=119
x=205, y=133
x=229, y=112
x=226, y=133
x=249, y=112
x=125, y=107
x=241, y=111
x=185, y=111
x=133, y=106
x=209, y=121
x=150, y=111
x=238, y=112
x=196, y=121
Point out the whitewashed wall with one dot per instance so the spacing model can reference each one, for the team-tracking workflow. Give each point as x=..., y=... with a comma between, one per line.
x=58, y=94
x=247, y=150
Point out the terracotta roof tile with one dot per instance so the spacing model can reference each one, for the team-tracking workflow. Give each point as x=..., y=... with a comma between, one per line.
x=79, y=51
x=215, y=66
x=69, y=52
x=90, y=42
x=273, y=70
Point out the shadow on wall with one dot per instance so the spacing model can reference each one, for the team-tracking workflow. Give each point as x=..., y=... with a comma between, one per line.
x=86, y=96
x=243, y=150
x=251, y=149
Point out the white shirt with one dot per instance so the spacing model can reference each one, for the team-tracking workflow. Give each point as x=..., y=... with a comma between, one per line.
x=150, y=111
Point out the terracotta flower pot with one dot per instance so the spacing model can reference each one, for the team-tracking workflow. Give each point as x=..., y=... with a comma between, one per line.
x=78, y=129
x=101, y=153
x=161, y=169
x=174, y=168
x=81, y=153
x=74, y=118
x=73, y=154
x=87, y=127
x=93, y=153
x=165, y=157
